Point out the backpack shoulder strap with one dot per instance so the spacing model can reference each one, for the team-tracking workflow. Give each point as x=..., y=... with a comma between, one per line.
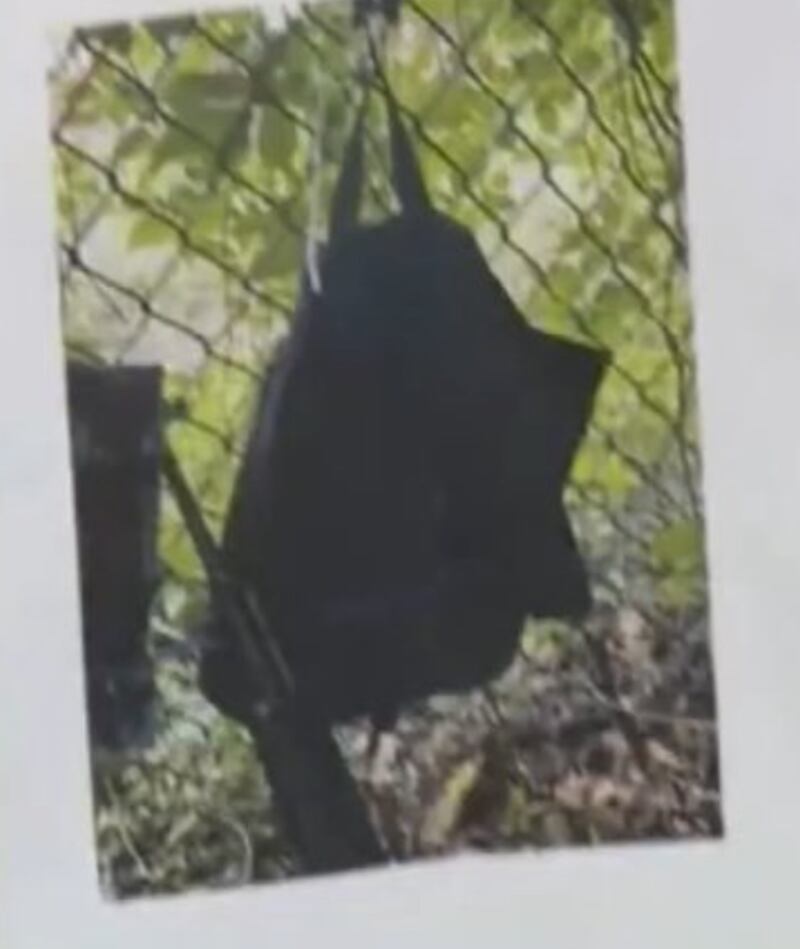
x=349, y=186
x=407, y=178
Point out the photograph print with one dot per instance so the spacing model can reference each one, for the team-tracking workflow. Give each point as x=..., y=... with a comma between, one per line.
x=384, y=436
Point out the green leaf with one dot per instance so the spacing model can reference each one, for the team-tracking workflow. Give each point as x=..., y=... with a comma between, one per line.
x=588, y=61
x=148, y=231
x=567, y=278
x=277, y=259
x=209, y=104
x=536, y=65
x=189, y=91
x=174, y=145
x=611, y=313
x=678, y=558
x=145, y=53
x=598, y=467
x=277, y=138
x=133, y=142
x=678, y=548
x=547, y=114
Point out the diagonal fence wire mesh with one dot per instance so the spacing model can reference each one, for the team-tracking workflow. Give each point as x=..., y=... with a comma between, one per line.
x=194, y=157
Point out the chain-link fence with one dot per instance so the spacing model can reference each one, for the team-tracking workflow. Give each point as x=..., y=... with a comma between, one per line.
x=195, y=158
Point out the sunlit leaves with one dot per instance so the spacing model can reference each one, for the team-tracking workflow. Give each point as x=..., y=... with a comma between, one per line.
x=678, y=561
x=278, y=258
x=277, y=137
x=148, y=231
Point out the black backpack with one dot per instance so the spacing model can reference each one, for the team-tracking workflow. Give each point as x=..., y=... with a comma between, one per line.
x=399, y=508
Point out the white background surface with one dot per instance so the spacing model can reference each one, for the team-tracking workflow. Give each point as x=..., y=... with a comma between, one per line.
x=741, y=73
